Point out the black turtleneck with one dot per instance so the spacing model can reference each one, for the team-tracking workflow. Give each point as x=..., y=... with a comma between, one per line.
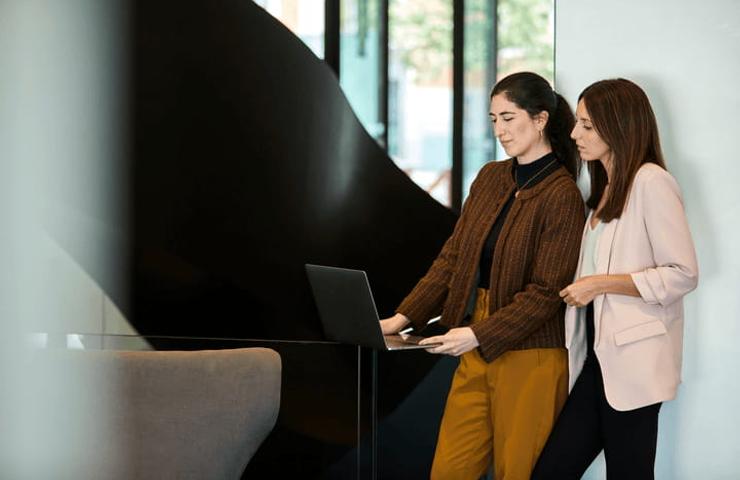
x=525, y=176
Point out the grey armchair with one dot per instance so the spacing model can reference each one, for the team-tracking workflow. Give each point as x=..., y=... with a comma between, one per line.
x=159, y=414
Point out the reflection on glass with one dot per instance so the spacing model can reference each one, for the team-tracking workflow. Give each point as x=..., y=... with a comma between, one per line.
x=420, y=92
x=524, y=41
x=359, y=61
x=305, y=18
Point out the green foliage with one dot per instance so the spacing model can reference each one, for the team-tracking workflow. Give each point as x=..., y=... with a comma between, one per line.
x=525, y=36
x=421, y=35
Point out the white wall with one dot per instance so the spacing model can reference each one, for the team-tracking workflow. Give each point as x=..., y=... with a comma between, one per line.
x=686, y=55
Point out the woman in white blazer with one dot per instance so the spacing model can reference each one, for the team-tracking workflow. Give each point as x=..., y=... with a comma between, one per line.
x=624, y=319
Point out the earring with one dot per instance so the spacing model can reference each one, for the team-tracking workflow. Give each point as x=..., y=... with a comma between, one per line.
x=541, y=134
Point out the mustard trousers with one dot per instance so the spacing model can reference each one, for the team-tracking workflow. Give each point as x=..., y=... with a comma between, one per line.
x=500, y=413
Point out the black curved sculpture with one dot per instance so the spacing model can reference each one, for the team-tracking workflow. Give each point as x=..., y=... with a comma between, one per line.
x=246, y=162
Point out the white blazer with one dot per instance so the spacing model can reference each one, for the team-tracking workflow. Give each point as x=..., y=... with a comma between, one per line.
x=639, y=340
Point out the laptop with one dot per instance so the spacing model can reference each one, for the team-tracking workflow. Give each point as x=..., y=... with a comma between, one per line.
x=347, y=310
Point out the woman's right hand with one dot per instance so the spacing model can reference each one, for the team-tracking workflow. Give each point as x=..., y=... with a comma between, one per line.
x=394, y=324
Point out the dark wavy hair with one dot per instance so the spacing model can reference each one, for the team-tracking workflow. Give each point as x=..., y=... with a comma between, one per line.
x=533, y=93
x=622, y=116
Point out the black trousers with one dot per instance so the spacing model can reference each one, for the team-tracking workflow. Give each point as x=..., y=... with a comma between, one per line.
x=589, y=424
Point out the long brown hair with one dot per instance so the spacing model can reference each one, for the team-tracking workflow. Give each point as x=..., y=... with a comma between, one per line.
x=622, y=116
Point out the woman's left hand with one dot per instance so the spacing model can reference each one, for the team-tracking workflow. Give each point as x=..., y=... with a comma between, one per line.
x=455, y=342
x=581, y=292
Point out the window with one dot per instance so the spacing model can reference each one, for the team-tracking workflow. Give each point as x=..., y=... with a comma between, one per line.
x=420, y=93
x=361, y=62
x=396, y=67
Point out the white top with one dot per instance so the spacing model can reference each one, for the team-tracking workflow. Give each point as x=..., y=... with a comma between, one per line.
x=588, y=256
x=591, y=238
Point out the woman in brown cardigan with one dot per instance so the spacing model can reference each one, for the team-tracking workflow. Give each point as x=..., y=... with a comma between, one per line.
x=496, y=284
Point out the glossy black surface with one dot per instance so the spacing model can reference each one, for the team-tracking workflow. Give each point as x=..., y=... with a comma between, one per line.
x=246, y=162
x=249, y=163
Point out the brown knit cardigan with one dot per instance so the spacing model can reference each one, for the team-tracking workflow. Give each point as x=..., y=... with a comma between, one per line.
x=535, y=257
